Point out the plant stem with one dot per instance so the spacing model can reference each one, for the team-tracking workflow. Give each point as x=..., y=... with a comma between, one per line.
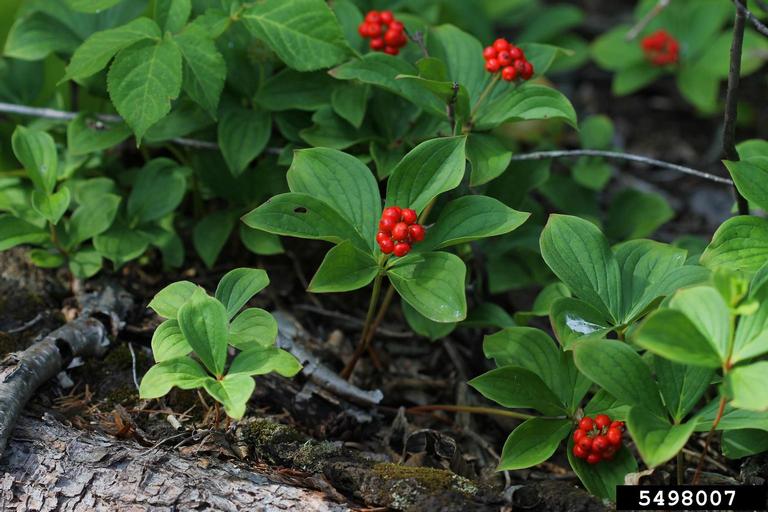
x=452, y=107
x=483, y=96
x=470, y=409
x=640, y=25
x=679, y=468
x=363, y=345
x=55, y=240
x=732, y=98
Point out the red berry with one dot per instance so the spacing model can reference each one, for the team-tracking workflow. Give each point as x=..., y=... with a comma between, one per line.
x=520, y=67
x=492, y=65
x=416, y=232
x=586, y=443
x=386, y=224
x=515, y=53
x=402, y=248
x=602, y=420
x=609, y=452
x=381, y=236
x=586, y=424
x=501, y=45
x=362, y=29
x=579, y=452
x=386, y=17
x=600, y=443
x=373, y=17
x=509, y=73
x=527, y=70
x=593, y=458
x=504, y=58
x=387, y=246
x=372, y=29
x=396, y=25
x=614, y=436
x=393, y=212
x=377, y=43
x=391, y=50
x=393, y=37
x=577, y=435
x=400, y=231
x=409, y=216
x=618, y=424
x=489, y=53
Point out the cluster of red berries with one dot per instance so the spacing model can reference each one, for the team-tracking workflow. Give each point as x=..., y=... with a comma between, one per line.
x=598, y=439
x=509, y=59
x=398, y=231
x=386, y=33
x=661, y=49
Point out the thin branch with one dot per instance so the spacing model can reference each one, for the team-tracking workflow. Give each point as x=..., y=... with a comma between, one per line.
x=543, y=155
x=61, y=115
x=732, y=98
x=452, y=106
x=759, y=26
x=649, y=17
x=418, y=38
x=762, y=4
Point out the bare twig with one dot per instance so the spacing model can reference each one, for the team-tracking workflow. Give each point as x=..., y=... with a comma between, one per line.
x=61, y=115
x=759, y=26
x=418, y=38
x=649, y=17
x=452, y=106
x=543, y=155
x=732, y=98
x=133, y=365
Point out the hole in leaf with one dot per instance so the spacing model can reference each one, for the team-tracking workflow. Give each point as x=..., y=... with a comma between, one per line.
x=299, y=209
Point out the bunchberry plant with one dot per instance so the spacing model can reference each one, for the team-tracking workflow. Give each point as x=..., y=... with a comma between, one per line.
x=335, y=197
x=385, y=32
x=507, y=59
x=597, y=439
x=192, y=346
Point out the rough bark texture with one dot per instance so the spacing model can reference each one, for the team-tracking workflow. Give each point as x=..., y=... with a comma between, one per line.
x=49, y=466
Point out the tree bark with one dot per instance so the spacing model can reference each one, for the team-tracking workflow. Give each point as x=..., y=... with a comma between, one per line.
x=50, y=466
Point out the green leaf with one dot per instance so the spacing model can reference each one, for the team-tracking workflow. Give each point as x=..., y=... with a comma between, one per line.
x=262, y=360
x=85, y=263
x=517, y=388
x=433, y=283
x=578, y=253
x=382, y=70
x=672, y=335
x=533, y=442
x=142, y=82
x=488, y=157
x=471, y=218
x=260, y=242
x=204, y=67
x=233, y=392
x=603, y=403
x=344, y=268
x=36, y=151
x=462, y=56
x=617, y=368
x=305, y=34
x=51, y=206
x=751, y=338
x=572, y=319
x=635, y=214
x=746, y=386
x=613, y=52
x=86, y=135
x=167, y=301
x=172, y=14
x=634, y=78
x=531, y=349
x=738, y=444
x=96, y=52
x=740, y=243
x=343, y=182
x=238, y=286
x=45, y=259
x=489, y=314
x=750, y=177
x=182, y=372
x=159, y=189
x=657, y=439
x=431, y=168
x=681, y=385
x=602, y=479
x=203, y=322
x=243, y=134
x=526, y=103
x=37, y=35
x=120, y=244
x=424, y=326
x=168, y=342
x=705, y=307
x=303, y=216
x=92, y=218
x=253, y=326
x=91, y=6
x=350, y=101
x=291, y=90
x=210, y=235
x=732, y=418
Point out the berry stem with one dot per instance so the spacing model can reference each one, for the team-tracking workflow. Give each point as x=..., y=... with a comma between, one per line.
x=362, y=345
x=473, y=410
x=483, y=96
